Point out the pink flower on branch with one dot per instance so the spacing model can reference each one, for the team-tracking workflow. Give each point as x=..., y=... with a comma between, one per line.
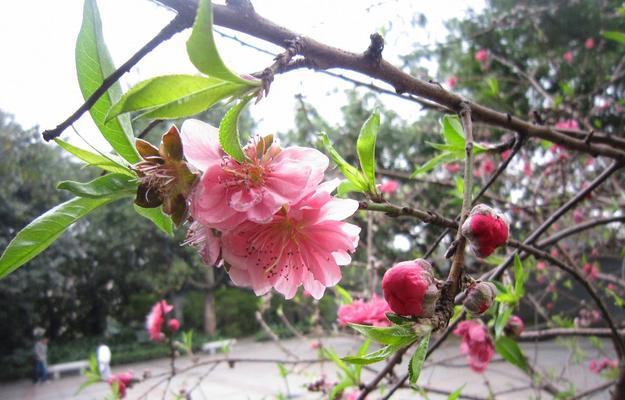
x=302, y=244
x=476, y=343
x=568, y=57
x=231, y=192
x=389, y=186
x=589, y=43
x=481, y=55
x=372, y=312
x=410, y=288
x=156, y=319
x=122, y=380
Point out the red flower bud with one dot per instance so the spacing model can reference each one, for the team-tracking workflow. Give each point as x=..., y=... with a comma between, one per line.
x=173, y=325
x=479, y=298
x=514, y=327
x=410, y=288
x=485, y=229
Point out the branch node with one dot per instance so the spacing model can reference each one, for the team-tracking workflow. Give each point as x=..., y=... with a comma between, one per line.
x=374, y=52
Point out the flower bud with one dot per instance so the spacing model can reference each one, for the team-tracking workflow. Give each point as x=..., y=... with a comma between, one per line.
x=514, y=327
x=173, y=325
x=485, y=229
x=411, y=289
x=479, y=298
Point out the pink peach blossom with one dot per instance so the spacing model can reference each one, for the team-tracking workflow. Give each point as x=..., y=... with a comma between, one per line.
x=505, y=154
x=353, y=395
x=589, y=43
x=156, y=319
x=452, y=82
x=481, y=55
x=205, y=241
x=123, y=380
x=452, y=168
x=231, y=192
x=410, y=288
x=540, y=266
x=578, y=216
x=389, y=186
x=611, y=286
x=476, y=343
x=527, y=168
x=591, y=271
x=568, y=57
x=567, y=124
x=372, y=312
x=173, y=325
x=302, y=244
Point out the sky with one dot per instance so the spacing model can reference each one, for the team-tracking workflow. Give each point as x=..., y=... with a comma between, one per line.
x=38, y=81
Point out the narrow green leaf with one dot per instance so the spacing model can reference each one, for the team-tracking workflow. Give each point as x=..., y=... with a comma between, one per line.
x=455, y=395
x=175, y=96
x=229, y=131
x=452, y=131
x=109, y=162
x=339, y=388
x=160, y=219
x=416, y=362
x=438, y=160
x=493, y=85
x=93, y=65
x=283, y=371
x=103, y=186
x=44, y=230
x=519, y=277
x=351, y=173
x=203, y=51
x=362, y=350
x=347, y=369
x=393, y=335
x=398, y=319
x=616, y=36
x=377, y=356
x=346, y=298
x=511, y=352
x=503, y=315
x=365, y=146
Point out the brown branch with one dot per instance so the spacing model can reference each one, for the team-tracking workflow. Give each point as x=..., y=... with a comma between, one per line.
x=179, y=23
x=327, y=57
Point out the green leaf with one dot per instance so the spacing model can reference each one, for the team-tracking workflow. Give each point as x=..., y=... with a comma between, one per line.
x=103, y=186
x=398, y=319
x=452, y=131
x=511, y=352
x=365, y=146
x=362, y=350
x=93, y=65
x=351, y=173
x=339, y=388
x=160, y=219
x=519, y=277
x=283, y=371
x=503, y=316
x=377, y=356
x=229, y=131
x=44, y=230
x=175, y=96
x=416, y=362
x=346, y=187
x=203, y=51
x=616, y=36
x=438, y=160
x=109, y=162
x=493, y=86
x=455, y=395
x=393, y=335
x=347, y=369
x=346, y=298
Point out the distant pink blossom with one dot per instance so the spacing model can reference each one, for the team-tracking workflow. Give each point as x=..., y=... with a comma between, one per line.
x=598, y=366
x=505, y=154
x=302, y=244
x=578, y=216
x=372, y=312
x=452, y=167
x=549, y=306
x=589, y=43
x=481, y=55
x=568, y=57
x=593, y=366
x=591, y=271
x=231, y=192
x=452, y=82
x=567, y=124
x=173, y=325
x=389, y=186
x=353, y=395
x=156, y=319
x=123, y=380
x=314, y=345
x=611, y=286
x=540, y=266
x=476, y=343
x=527, y=169
x=487, y=166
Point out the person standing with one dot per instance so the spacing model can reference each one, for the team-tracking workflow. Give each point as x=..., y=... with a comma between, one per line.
x=41, y=358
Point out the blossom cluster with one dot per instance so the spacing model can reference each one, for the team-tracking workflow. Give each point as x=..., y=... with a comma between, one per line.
x=269, y=216
x=476, y=343
x=121, y=381
x=372, y=312
x=156, y=319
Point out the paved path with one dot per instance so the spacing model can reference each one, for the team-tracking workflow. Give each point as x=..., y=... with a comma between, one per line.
x=262, y=381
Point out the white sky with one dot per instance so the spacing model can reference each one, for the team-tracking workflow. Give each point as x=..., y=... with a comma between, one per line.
x=37, y=75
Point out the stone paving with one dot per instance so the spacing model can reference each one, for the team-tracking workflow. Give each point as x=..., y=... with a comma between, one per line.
x=253, y=380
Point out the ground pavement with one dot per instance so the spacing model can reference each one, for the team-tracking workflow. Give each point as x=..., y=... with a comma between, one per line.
x=248, y=380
